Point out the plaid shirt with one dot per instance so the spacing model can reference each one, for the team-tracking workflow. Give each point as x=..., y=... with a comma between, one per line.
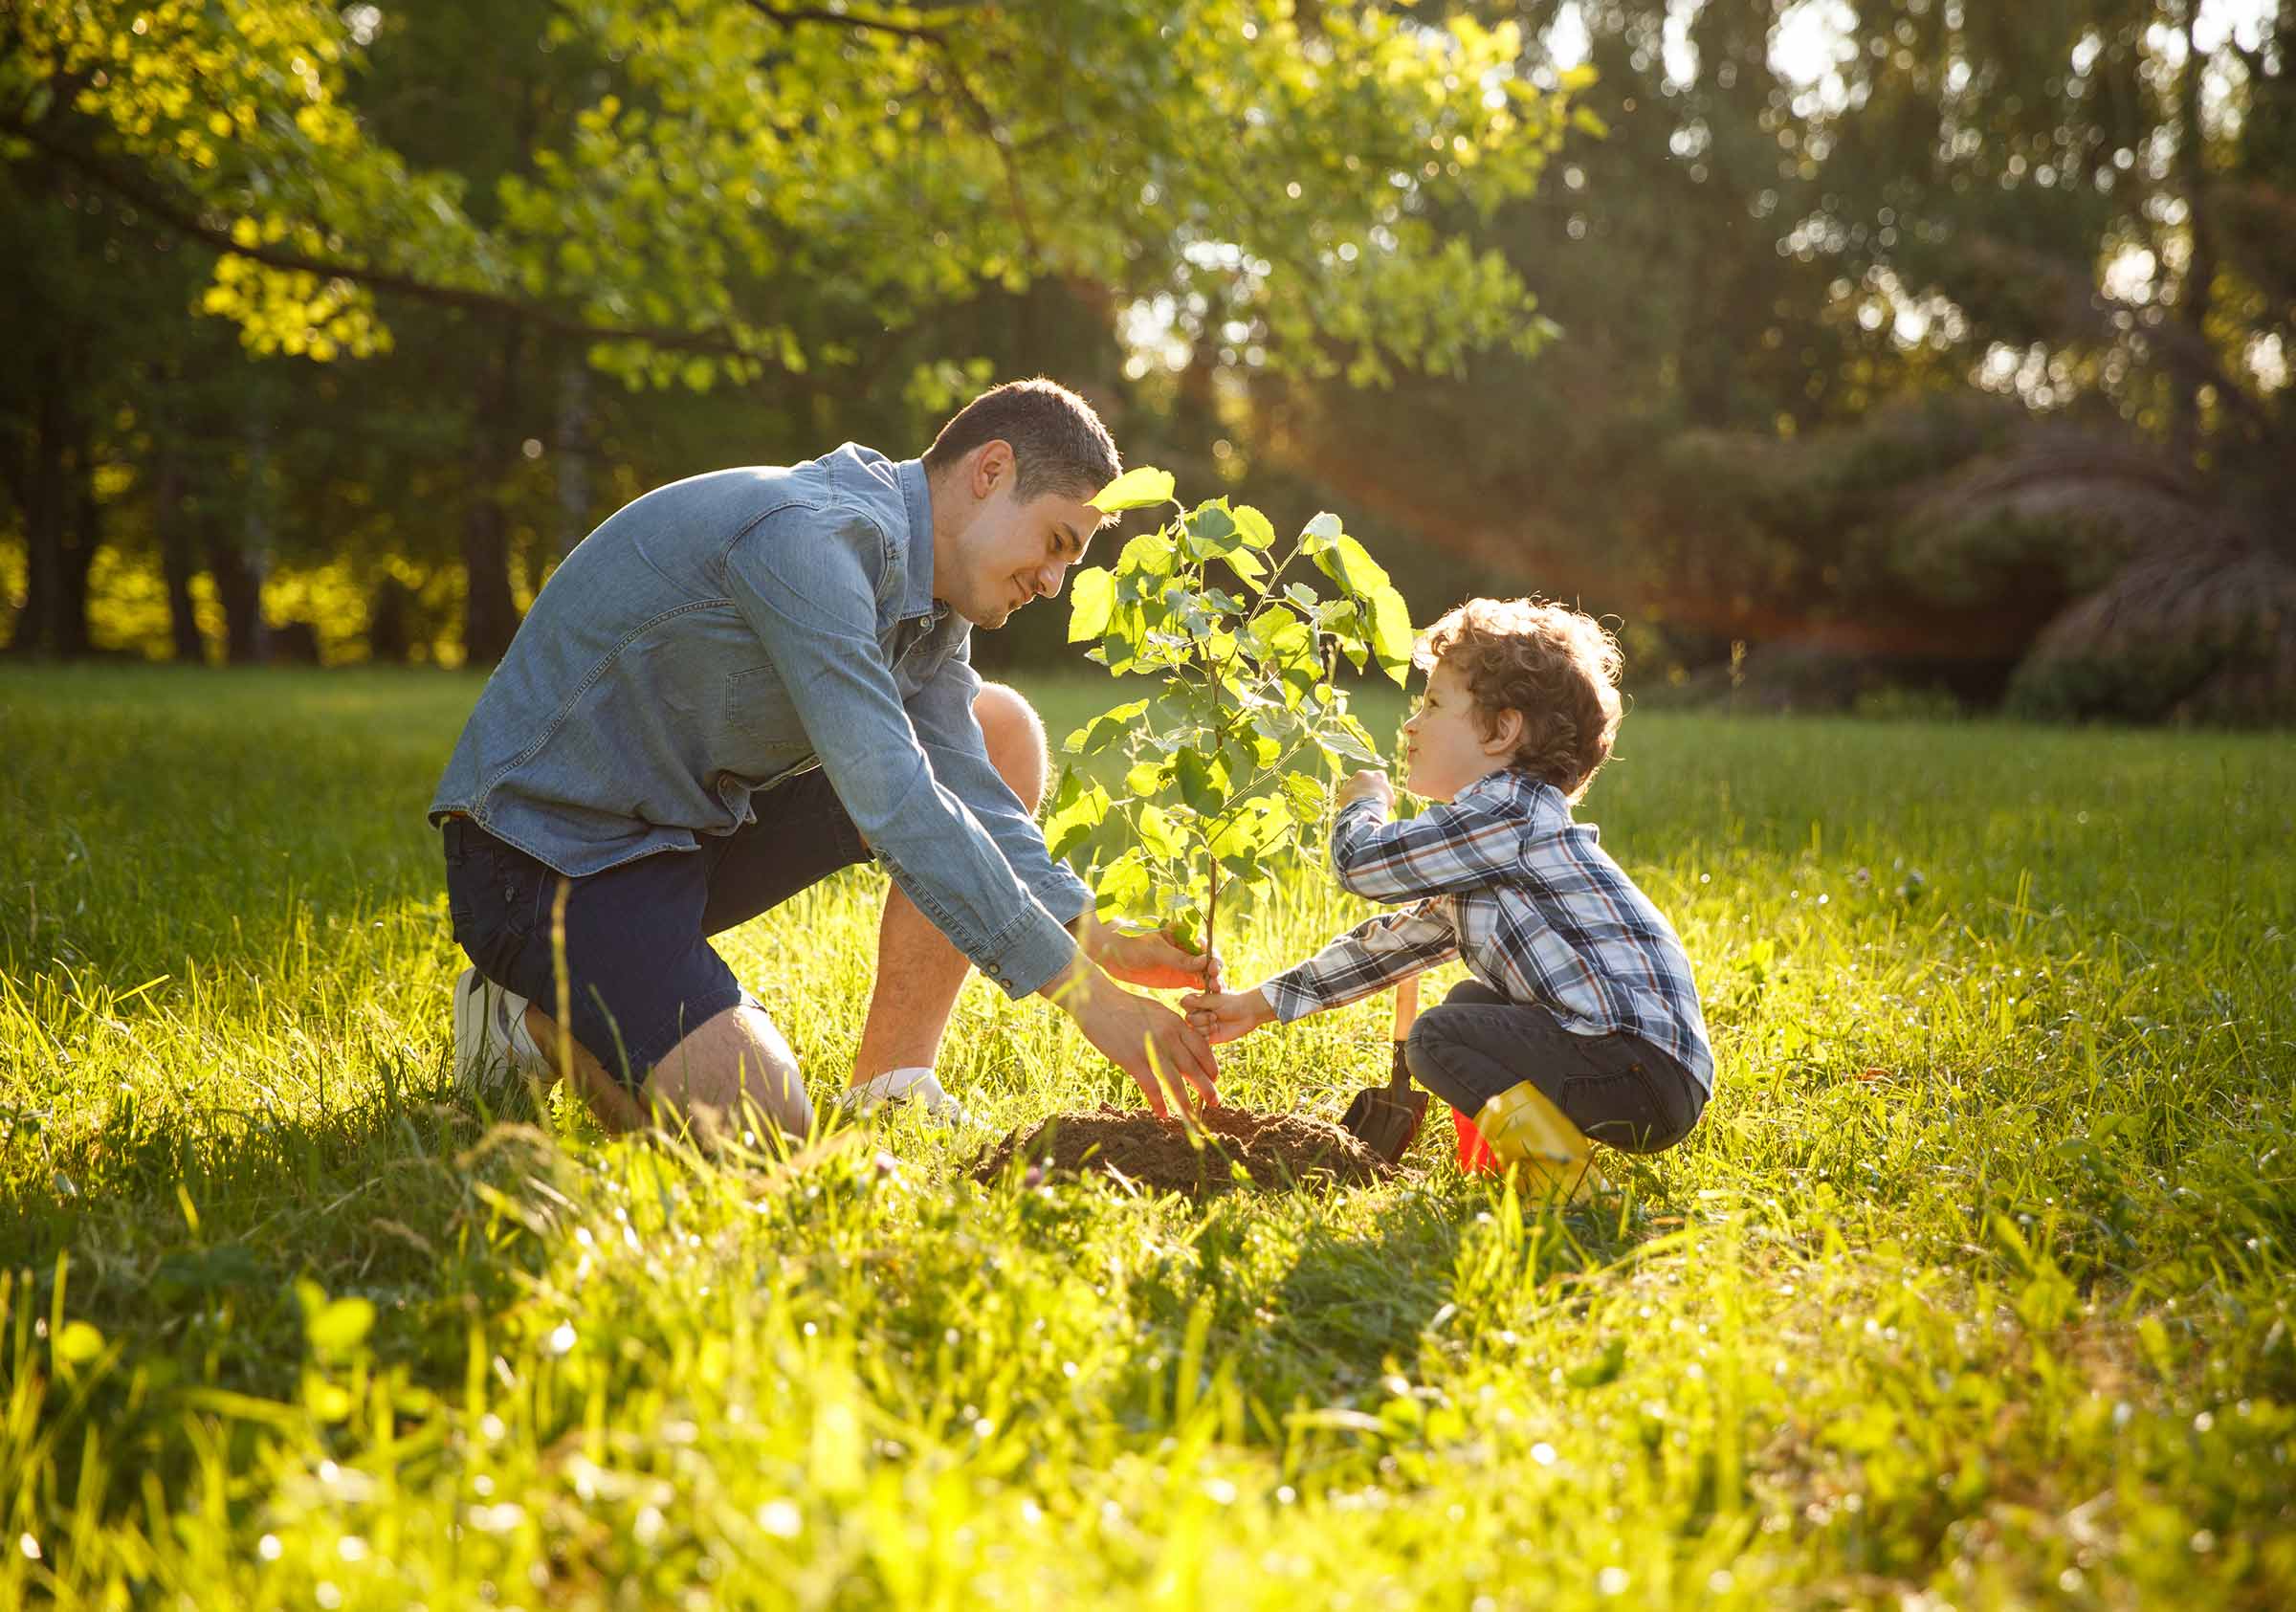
x=1504, y=880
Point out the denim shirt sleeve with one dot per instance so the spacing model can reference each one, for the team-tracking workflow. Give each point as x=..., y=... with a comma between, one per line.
x=805, y=580
x=943, y=714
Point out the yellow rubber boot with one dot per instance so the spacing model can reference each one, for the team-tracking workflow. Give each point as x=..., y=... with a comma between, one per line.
x=1524, y=1127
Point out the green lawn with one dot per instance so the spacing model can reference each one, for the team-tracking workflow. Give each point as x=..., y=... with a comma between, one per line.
x=1973, y=1287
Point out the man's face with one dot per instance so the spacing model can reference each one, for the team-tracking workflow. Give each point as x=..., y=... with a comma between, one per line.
x=1009, y=553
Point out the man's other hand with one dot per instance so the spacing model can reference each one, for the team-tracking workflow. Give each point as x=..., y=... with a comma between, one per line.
x=1164, y=1055
x=1148, y=957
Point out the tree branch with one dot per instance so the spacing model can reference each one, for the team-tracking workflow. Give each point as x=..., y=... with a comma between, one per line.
x=184, y=220
x=974, y=108
x=788, y=16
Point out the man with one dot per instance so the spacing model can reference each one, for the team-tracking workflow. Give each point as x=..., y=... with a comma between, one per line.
x=736, y=685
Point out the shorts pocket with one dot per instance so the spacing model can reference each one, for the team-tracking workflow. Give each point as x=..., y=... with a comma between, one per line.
x=491, y=901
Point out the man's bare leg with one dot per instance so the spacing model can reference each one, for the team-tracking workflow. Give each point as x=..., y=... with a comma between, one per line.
x=737, y=1061
x=919, y=972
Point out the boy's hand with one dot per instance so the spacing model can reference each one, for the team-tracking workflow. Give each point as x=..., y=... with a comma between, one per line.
x=1369, y=784
x=1225, y=1015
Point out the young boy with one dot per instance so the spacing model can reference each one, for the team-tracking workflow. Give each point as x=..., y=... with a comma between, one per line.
x=1582, y=1020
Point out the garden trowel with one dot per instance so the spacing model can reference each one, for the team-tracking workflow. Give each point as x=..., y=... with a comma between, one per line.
x=1385, y=1119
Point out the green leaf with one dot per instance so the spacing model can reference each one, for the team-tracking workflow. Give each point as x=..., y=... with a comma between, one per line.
x=340, y=1326
x=1092, y=598
x=1391, y=635
x=1347, y=563
x=1338, y=743
x=1149, y=555
x=1603, y=1368
x=1125, y=887
x=1121, y=646
x=1203, y=781
x=1282, y=636
x=1248, y=568
x=1157, y=832
x=1256, y=529
x=1109, y=727
x=79, y=1341
x=1145, y=779
x=1188, y=930
x=1325, y=526
x=1136, y=488
x=1212, y=531
x=1077, y=810
x=1305, y=794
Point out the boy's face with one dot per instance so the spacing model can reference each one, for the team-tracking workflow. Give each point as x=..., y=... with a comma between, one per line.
x=1445, y=747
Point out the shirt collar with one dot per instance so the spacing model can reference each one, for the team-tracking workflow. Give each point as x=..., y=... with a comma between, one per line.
x=1515, y=784
x=916, y=584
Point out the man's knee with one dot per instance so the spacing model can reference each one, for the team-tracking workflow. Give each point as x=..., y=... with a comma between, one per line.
x=737, y=1061
x=1016, y=741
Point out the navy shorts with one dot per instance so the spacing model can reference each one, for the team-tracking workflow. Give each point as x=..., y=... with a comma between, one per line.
x=640, y=970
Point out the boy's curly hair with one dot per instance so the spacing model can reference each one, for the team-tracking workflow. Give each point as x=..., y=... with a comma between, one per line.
x=1558, y=666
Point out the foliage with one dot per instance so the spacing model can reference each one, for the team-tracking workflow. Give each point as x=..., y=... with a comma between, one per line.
x=1245, y=664
x=748, y=188
x=1974, y=1284
x=2075, y=212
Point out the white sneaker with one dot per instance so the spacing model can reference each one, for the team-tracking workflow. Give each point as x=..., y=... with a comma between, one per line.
x=494, y=1053
x=903, y=1087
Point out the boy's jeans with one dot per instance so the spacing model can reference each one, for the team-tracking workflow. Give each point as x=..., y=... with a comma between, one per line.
x=1617, y=1088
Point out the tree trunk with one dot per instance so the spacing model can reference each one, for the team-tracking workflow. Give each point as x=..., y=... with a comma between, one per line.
x=2195, y=294
x=43, y=496
x=60, y=527
x=256, y=548
x=239, y=592
x=178, y=557
x=80, y=551
x=490, y=615
x=572, y=447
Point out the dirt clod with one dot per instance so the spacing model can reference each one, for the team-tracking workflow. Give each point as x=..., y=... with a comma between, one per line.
x=1276, y=1151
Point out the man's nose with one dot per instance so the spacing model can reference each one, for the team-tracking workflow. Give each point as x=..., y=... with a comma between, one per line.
x=1049, y=579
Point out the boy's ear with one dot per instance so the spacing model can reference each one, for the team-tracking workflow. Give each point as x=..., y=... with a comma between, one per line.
x=1506, y=733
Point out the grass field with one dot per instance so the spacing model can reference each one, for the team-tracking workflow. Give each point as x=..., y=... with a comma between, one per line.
x=1972, y=1288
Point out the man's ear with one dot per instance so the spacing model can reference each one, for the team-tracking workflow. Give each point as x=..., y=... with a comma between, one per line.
x=992, y=466
x=1506, y=733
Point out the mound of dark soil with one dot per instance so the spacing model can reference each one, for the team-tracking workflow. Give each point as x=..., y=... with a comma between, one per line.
x=1276, y=1151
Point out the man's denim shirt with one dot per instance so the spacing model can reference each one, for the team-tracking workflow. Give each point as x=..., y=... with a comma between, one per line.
x=727, y=632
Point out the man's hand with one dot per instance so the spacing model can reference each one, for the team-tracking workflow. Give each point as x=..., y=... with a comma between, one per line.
x=1225, y=1015
x=1369, y=784
x=1157, y=1047
x=1147, y=958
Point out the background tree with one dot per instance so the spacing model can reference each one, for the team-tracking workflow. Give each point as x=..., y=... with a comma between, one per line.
x=713, y=192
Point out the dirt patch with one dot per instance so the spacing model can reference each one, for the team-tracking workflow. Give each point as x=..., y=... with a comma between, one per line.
x=1277, y=1150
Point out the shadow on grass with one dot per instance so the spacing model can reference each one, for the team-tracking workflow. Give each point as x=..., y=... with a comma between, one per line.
x=185, y=1233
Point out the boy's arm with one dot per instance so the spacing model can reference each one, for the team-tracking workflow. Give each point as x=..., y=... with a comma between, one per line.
x=1446, y=850
x=1368, y=957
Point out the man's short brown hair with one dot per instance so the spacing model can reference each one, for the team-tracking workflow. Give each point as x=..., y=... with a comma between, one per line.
x=1059, y=444
x=1558, y=666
